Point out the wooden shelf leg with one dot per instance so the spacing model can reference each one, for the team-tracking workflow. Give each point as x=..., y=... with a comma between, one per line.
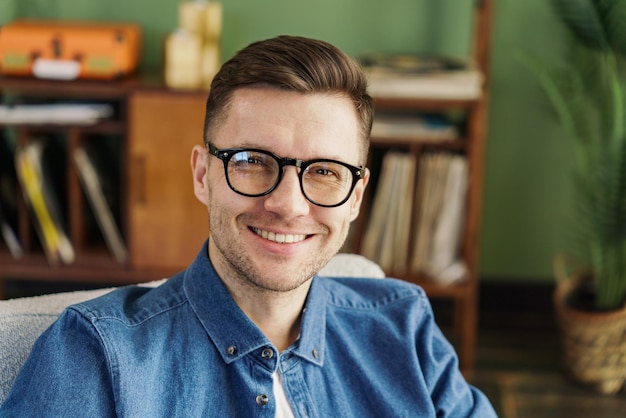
x=466, y=324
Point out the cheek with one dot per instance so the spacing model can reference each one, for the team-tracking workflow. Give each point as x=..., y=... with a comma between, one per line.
x=337, y=220
x=224, y=203
x=355, y=202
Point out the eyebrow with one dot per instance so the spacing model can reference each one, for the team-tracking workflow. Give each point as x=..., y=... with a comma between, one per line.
x=262, y=148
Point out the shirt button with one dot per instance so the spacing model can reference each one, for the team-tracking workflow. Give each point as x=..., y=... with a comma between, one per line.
x=267, y=353
x=262, y=399
x=316, y=353
x=232, y=350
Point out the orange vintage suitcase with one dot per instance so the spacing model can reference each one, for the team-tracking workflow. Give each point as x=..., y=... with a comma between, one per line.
x=69, y=50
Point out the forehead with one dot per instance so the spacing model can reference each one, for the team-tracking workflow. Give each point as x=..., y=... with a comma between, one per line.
x=306, y=125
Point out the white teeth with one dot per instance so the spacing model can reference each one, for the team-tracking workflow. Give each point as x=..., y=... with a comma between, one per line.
x=280, y=238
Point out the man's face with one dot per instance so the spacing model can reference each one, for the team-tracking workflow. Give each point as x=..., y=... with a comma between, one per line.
x=244, y=231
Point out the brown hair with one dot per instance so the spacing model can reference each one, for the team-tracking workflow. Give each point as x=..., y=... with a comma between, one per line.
x=291, y=63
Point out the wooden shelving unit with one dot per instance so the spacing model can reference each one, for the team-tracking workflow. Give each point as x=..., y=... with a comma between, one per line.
x=157, y=128
x=147, y=116
x=463, y=295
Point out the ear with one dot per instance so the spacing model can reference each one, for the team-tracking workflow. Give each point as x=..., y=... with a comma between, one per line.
x=359, y=191
x=199, y=171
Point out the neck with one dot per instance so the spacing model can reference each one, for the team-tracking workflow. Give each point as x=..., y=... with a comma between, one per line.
x=277, y=314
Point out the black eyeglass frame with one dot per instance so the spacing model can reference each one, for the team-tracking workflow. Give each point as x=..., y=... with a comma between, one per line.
x=225, y=154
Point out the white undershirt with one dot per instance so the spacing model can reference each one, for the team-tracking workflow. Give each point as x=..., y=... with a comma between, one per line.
x=283, y=409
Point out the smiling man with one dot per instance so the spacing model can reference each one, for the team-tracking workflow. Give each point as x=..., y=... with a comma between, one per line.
x=249, y=329
x=267, y=248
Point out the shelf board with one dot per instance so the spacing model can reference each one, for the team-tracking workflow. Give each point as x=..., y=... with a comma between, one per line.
x=436, y=290
x=385, y=142
x=95, y=268
x=103, y=127
x=93, y=89
x=424, y=104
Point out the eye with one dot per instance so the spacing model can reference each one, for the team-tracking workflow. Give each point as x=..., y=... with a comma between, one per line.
x=328, y=171
x=253, y=163
x=250, y=158
x=321, y=170
x=324, y=172
x=254, y=160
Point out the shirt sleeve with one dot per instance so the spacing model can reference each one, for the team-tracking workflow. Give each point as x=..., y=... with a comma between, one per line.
x=66, y=375
x=451, y=394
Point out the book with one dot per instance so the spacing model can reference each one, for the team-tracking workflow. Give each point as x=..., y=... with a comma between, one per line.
x=448, y=226
x=411, y=63
x=429, y=202
x=387, y=235
x=42, y=198
x=404, y=212
x=421, y=77
x=413, y=127
x=8, y=199
x=93, y=177
x=388, y=232
x=446, y=85
x=374, y=234
x=440, y=203
x=59, y=113
x=9, y=236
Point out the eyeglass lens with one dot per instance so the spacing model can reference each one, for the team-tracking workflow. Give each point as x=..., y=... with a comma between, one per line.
x=255, y=173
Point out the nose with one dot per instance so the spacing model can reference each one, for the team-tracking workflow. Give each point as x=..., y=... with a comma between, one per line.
x=287, y=199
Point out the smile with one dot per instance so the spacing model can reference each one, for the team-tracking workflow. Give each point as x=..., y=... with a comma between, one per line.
x=279, y=238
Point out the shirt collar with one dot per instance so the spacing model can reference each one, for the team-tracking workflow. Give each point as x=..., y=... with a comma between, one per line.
x=232, y=332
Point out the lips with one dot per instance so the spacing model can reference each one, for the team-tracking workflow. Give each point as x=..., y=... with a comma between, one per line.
x=279, y=238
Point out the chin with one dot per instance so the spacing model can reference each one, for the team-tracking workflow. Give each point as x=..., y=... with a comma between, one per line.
x=288, y=274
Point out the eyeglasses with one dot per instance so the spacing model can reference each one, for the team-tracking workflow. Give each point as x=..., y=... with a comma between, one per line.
x=255, y=172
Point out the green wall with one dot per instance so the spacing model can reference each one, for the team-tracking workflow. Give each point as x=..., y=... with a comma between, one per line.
x=526, y=189
x=527, y=192
x=7, y=11
x=354, y=25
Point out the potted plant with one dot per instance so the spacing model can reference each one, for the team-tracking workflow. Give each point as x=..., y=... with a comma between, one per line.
x=588, y=94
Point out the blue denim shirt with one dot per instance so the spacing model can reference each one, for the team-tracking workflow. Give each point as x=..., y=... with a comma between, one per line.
x=367, y=348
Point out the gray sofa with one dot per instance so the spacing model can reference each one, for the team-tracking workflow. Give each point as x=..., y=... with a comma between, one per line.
x=23, y=320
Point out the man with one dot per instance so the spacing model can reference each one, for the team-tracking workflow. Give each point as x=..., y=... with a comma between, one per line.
x=249, y=329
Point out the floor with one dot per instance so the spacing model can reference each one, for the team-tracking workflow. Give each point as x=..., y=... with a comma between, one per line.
x=518, y=363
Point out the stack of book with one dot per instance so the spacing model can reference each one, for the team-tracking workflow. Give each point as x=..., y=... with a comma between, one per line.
x=58, y=113
x=387, y=236
x=38, y=170
x=417, y=216
x=96, y=180
x=440, y=199
x=413, y=128
x=41, y=195
x=421, y=77
x=8, y=199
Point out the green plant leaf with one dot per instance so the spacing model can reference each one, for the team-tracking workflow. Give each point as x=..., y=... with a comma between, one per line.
x=589, y=98
x=584, y=19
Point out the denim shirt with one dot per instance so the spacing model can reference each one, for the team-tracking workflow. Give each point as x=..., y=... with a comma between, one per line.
x=367, y=348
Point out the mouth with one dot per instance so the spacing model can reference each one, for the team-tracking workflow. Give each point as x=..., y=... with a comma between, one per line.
x=279, y=238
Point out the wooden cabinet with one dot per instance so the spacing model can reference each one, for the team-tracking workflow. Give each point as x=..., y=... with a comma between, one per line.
x=471, y=144
x=159, y=217
x=166, y=224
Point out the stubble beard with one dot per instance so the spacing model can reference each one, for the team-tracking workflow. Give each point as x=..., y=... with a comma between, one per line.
x=234, y=261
